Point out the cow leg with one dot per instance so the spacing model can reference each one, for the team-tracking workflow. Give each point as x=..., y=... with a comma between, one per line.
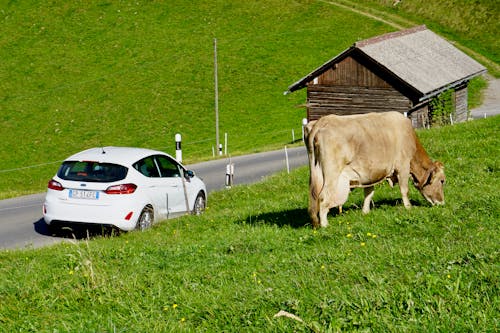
x=323, y=212
x=403, y=187
x=369, y=192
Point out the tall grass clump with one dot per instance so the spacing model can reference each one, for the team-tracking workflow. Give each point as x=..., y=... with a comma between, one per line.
x=252, y=263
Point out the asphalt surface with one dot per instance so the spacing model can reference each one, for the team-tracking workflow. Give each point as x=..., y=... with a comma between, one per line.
x=491, y=102
x=22, y=225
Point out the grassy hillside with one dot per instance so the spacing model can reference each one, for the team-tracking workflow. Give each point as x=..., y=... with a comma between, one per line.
x=82, y=74
x=473, y=25
x=428, y=269
x=88, y=74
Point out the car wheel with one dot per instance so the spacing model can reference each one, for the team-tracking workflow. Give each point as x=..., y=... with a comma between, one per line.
x=145, y=219
x=199, y=204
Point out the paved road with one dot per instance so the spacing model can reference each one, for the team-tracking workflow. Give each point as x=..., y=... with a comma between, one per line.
x=21, y=223
x=491, y=103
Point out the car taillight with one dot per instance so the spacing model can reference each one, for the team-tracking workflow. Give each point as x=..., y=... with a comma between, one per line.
x=54, y=185
x=121, y=189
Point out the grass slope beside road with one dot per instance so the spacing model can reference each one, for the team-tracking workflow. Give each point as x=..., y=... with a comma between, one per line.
x=253, y=254
x=472, y=26
x=134, y=74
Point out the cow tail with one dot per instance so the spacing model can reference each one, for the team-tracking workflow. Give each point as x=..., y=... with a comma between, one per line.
x=318, y=170
x=316, y=182
x=315, y=170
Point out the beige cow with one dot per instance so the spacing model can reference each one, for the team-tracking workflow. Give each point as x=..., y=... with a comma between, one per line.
x=361, y=151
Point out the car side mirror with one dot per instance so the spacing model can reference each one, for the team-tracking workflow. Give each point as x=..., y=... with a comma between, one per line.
x=189, y=173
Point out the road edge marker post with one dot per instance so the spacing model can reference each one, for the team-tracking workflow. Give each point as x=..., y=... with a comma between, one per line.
x=178, y=150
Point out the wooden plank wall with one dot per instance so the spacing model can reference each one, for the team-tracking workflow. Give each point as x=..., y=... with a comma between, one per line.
x=350, y=72
x=351, y=88
x=420, y=117
x=342, y=100
x=461, y=104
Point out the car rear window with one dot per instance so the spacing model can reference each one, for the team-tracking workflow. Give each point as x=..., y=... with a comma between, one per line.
x=89, y=171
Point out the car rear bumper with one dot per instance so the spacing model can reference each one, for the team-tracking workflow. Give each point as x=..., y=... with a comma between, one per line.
x=59, y=211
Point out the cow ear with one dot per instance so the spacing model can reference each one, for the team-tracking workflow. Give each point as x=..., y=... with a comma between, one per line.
x=427, y=179
x=437, y=168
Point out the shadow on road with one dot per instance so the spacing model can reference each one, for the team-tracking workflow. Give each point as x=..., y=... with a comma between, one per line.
x=74, y=231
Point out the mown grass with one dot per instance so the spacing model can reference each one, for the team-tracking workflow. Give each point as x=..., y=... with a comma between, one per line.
x=108, y=73
x=253, y=254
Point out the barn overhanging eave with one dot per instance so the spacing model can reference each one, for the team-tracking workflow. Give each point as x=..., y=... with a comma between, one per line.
x=302, y=83
x=452, y=85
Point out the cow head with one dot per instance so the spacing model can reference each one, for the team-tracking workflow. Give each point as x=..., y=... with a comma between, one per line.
x=432, y=184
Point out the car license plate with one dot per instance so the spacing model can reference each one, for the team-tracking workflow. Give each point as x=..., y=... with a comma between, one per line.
x=83, y=194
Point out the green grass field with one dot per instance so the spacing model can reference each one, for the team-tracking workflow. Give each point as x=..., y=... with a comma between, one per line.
x=82, y=74
x=254, y=254
x=85, y=74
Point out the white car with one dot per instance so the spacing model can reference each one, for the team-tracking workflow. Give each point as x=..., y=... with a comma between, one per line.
x=122, y=187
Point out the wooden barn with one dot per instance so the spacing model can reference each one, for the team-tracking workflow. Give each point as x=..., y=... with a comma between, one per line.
x=400, y=71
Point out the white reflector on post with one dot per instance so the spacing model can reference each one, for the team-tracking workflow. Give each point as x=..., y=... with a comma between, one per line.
x=178, y=150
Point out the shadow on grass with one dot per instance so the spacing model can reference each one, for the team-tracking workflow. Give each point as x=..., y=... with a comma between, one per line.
x=295, y=218
x=384, y=203
x=74, y=231
x=299, y=218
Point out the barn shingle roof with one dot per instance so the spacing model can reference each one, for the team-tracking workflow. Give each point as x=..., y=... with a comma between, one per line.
x=423, y=60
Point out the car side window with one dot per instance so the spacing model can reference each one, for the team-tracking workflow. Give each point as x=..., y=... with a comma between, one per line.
x=147, y=167
x=168, y=167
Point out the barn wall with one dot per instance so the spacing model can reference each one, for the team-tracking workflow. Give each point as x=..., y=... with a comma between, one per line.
x=350, y=72
x=420, y=117
x=342, y=100
x=461, y=104
x=349, y=87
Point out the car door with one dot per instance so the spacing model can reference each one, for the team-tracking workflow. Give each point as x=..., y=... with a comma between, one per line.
x=166, y=193
x=171, y=178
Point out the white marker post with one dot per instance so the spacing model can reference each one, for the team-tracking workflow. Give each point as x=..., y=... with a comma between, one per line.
x=178, y=150
x=287, y=163
x=229, y=174
x=304, y=123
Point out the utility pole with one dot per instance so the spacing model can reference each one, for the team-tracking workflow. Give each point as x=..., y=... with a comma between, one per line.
x=216, y=96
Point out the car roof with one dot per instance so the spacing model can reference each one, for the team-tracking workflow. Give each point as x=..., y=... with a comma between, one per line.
x=119, y=155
